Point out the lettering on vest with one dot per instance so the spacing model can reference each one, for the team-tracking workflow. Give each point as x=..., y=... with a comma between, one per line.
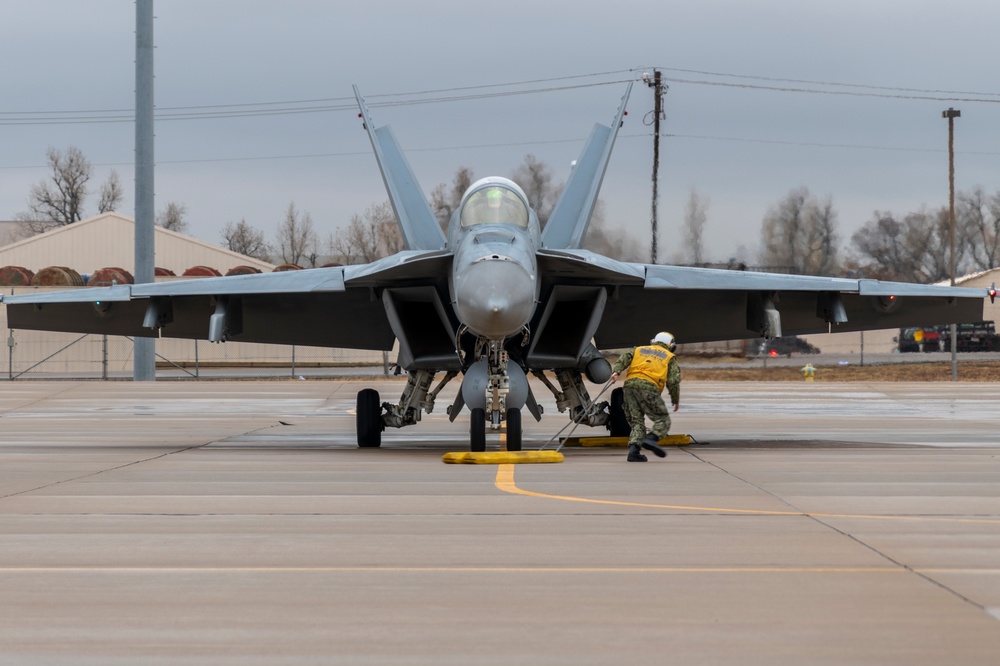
x=650, y=363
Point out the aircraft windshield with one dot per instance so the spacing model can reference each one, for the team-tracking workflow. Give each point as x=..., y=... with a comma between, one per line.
x=494, y=205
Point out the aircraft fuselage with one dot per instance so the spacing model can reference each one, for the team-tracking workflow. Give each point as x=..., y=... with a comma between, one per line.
x=494, y=283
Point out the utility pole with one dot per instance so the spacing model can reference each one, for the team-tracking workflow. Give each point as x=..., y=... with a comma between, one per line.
x=658, y=88
x=951, y=114
x=144, y=359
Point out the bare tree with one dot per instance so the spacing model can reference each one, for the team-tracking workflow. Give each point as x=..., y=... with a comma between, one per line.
x=246, y=240
x=609, y=240
x=823, y=240
x=172, y=217
x=914, y=249
x=368, y=237
x=58, y=201
x=695, y=217
x=535, y=178
x=799, y=233
x=978, y=225
x=879, y=248
x=445, y=200
x=296, y=242
x=111, y=194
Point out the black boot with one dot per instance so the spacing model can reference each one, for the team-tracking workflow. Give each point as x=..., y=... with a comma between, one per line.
x=650, y=442
x=634, y=454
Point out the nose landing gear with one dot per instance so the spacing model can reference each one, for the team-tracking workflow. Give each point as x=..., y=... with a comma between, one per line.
x=495, y=391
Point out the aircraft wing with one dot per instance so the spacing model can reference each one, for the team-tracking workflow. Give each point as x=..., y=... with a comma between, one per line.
x=324, y=307
x=700, y=304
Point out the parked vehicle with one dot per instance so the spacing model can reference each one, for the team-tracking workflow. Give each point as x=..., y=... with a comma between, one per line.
x=978, y=336
x=786, y=346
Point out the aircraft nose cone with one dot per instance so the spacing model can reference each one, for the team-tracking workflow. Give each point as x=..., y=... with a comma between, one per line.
x=495, y=297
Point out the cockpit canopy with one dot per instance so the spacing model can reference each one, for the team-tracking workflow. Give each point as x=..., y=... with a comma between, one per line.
x=495, y=201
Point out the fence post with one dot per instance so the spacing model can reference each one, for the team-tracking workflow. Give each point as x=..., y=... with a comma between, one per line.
x=10, y=354
x=104, y=357
x=293, y=361
x=197, y=372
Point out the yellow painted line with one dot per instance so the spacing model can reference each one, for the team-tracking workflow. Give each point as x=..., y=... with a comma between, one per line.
x=505, y=482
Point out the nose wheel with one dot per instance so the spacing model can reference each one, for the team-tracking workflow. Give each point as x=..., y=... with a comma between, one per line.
x=477, y=429
x=513, y=429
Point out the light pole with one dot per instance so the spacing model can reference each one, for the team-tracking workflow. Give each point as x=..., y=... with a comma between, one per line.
x=144, y=361
x=951, y=114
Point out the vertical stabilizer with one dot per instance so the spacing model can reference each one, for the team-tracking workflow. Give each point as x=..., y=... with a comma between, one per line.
x=416, y=220
x=571, y=215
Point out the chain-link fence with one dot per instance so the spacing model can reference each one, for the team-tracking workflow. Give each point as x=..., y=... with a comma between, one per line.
x=47, y=355
x=52, y=355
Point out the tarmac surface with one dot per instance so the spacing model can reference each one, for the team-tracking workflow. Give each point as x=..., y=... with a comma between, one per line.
x=238, y=523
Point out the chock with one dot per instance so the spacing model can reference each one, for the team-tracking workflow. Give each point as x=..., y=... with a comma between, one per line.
x=669, y=440
x=501, y=457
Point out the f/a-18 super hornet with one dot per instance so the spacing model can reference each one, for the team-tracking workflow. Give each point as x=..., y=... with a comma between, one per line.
x=496, y=300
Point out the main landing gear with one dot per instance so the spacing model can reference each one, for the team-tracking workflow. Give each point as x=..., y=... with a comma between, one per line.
x=373, y=416
x=493, y=388
x=369, y=419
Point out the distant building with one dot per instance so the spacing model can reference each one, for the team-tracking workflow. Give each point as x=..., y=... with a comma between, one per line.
x=9, y=231
x=109, y=240
x=105, y=241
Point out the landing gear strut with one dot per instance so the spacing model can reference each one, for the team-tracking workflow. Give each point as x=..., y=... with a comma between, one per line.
x=572, y=395
x=495, y=390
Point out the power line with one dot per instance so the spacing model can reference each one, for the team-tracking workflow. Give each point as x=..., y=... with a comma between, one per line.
x=846, y=93
x=928, y=91
x=512, y=144
x=441, y=95
x=320, y=105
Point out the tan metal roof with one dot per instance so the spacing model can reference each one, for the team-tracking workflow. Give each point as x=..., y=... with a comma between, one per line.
x=108, y=240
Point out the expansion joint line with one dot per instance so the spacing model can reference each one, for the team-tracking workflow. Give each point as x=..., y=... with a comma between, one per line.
x=818, y=518
x=122, y=466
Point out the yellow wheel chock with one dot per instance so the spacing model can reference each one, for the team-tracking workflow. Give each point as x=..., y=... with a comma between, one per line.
x=501, y=457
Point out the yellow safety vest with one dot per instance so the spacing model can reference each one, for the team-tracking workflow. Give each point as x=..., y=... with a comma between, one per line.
x=650, y=363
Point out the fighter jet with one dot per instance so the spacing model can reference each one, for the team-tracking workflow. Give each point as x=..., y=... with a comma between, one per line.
x=496, y=300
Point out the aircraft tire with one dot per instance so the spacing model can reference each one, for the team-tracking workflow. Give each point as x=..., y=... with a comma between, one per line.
x=617, y=423
x=477, y=429
x=513, y=429
x=369, y=419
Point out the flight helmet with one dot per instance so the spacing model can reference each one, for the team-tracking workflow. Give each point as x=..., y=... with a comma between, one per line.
x=666, y=340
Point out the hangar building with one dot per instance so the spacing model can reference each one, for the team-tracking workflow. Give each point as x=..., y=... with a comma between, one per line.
x=107, y=240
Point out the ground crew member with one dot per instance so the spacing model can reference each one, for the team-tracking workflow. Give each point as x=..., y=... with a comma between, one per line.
x=650, y=368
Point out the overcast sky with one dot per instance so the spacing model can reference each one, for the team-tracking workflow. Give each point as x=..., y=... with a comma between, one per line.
x=747, y=117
